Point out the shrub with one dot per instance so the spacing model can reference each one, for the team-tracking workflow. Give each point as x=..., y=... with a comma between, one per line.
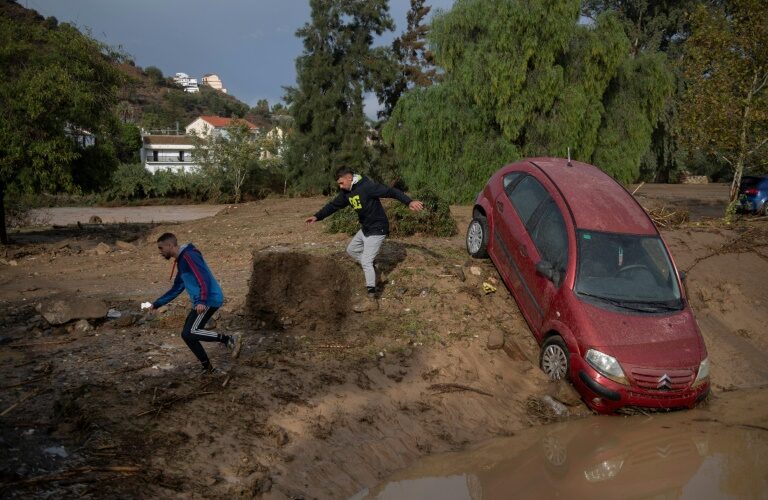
x=434, y=220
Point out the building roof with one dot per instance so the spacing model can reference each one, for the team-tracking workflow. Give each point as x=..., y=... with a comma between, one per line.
x=184, y=140
x=219, y=121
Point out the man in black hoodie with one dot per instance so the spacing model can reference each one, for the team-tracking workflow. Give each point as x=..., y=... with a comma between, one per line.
x=363, y=195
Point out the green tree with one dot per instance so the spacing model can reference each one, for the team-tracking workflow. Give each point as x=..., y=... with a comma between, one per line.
x=525, y=79
x=655, y=26
x=261, y=109
x=56, y=83
x=337, y=66
x=155, y=75
x=726, y=102
x=230, y=157
x=413, y=60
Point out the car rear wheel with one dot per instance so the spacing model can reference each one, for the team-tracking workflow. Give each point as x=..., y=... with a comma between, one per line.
x=764, y=210
x=477, y=237
x=554, y=358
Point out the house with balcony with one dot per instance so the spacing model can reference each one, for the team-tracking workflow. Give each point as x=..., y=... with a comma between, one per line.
x=168, y=152
x=189, y=84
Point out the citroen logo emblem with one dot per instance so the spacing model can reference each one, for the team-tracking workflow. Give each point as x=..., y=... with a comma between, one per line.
x=664, y=382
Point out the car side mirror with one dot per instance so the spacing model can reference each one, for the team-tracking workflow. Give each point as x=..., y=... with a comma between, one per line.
x=547, y=269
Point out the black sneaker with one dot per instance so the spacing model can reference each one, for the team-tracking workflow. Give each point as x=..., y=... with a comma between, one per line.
x=235, y=343
x=207, y=371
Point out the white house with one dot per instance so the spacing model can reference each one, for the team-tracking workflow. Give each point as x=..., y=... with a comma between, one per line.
x=213, y=81
x=189, y=84
x=168, y=152
x=205, y=126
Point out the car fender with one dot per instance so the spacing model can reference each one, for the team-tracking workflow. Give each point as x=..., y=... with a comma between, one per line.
x=556, y=327
x=487, y=208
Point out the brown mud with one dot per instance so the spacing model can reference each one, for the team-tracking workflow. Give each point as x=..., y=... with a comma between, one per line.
x=323, y=402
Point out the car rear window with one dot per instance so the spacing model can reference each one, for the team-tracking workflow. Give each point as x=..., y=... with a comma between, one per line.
x=527, y=196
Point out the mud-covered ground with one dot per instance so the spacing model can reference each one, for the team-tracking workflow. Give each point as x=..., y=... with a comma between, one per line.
x=322, y=402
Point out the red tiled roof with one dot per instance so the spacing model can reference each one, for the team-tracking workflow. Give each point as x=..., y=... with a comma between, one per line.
x=219, y=121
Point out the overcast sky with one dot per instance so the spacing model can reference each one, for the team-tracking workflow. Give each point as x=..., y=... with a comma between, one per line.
x=250, y=44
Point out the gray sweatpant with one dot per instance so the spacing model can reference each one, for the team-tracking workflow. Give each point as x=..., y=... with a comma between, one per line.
x=364, y=250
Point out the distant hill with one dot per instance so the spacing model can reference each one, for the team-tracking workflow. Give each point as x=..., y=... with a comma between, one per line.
x=148, y=99
x=153, y=101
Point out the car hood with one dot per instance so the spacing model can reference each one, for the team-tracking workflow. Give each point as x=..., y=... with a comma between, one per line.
x=651, y=340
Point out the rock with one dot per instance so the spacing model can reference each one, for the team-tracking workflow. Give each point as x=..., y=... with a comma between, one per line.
x=124, y=245
x=495, y=340
x=82, y=326
x=564, y=392
x=63, y=310
x=125, y=321
x=95, y=219
x=59, y=451
x=113, y=313
x=557, y=407
x=13, y=263
x=102, y=249
x=476, y=271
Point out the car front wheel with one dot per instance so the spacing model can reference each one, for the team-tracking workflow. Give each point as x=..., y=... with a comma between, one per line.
x=554, y=358
x=477, y=237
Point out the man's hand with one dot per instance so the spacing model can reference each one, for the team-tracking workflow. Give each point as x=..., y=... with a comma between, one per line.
x=311, y=220
x=199, y=308
x=416, y=205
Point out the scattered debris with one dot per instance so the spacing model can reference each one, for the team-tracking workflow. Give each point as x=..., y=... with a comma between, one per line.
x=488, y=288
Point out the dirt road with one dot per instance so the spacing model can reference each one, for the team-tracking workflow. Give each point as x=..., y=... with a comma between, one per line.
x=110, y=215
x=321, y=403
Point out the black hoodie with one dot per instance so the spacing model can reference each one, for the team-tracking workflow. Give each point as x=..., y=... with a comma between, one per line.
x=363, y=197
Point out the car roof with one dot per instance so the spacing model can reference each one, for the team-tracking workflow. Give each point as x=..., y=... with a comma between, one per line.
x=597, y=201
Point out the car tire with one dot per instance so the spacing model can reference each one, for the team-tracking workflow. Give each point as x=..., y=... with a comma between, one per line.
x=554, y=360
x=764, y=209
x=477, y=237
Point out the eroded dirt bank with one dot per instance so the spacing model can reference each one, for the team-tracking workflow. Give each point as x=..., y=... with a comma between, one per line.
x=322, y=403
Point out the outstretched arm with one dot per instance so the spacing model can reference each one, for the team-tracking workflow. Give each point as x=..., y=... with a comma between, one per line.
x=382, y=191
x=176, y=289
x=334, y=205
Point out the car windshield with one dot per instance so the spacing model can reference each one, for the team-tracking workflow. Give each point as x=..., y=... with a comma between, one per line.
x=626, y=271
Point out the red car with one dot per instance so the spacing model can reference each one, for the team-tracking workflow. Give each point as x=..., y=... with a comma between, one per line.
x=595, y=282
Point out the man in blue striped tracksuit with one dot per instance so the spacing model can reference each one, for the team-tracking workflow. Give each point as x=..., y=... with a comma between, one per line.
x=194, y=275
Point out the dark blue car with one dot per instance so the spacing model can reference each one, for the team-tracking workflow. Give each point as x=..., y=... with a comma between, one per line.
x=753, y=194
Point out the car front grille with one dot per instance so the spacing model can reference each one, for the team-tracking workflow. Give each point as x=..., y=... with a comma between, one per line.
x=656, y=379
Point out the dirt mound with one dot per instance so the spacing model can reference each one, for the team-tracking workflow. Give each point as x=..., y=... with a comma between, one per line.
x=296, y=290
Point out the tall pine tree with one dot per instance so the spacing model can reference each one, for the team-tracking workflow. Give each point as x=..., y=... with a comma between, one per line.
x=339, y=64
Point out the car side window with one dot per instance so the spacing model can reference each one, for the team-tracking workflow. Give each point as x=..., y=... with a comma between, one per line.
x=527, y=196
x=550, y=236
x=510, y=181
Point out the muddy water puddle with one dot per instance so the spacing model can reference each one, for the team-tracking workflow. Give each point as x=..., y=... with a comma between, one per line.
x=660, y=457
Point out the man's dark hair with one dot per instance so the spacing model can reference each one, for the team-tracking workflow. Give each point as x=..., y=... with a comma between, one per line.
x=168, y=237
x=342, y=171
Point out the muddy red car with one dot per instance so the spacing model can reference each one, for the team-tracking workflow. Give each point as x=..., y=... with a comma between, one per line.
x=595, y=282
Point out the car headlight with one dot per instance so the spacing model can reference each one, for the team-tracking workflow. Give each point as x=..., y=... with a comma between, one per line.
x=703, y=374
x=606, y=365
x=605, y=470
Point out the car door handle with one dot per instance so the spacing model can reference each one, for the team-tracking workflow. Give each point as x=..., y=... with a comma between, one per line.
x=523, y=250
x=500, y=206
